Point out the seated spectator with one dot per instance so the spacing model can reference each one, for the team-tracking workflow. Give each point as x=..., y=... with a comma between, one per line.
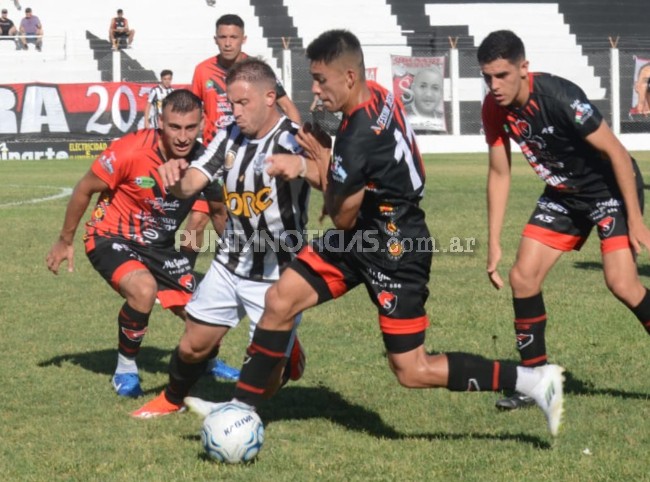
x=31, y=30
x=120, y=34
x=8, y=29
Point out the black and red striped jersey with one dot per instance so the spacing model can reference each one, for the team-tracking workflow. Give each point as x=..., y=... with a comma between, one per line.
x=376, y=150
x=135, y=206
x=267, y=215
x=209, y=84
x=551, y=130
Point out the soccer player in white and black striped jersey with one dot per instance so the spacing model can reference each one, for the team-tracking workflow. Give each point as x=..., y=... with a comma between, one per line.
x=153, y=109
x=266, y=185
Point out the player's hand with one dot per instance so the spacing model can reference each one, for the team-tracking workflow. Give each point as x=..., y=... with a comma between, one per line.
x=494, y=256
x=286, y=166
x=639, y=236
x=59, y=252
x=316, y=143
x=171, y=171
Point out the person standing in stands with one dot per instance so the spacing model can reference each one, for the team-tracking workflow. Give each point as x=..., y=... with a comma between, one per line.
x=153, y=110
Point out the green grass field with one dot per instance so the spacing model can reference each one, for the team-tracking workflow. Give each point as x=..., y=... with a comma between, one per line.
x=347, y=419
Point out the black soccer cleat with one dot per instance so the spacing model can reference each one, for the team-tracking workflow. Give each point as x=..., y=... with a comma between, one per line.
x=515, y=402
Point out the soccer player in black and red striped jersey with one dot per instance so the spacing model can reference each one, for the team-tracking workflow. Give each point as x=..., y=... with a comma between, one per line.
x=591, y=181
x=130, y=237
x=374, y=183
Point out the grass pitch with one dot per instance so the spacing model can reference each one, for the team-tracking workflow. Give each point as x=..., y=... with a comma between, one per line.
x=347, y=419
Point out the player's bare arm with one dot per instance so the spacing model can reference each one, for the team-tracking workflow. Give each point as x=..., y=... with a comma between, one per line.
x=606, y=142
x=498, y=187
x=62, y=249
x=344, y=210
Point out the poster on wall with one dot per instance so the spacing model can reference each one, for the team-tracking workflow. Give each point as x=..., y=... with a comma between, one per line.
x=640, y=107
x=419, y=83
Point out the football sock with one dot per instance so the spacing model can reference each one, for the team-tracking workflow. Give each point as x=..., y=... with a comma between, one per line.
x=642, y=311
x=530, y=324
x=182, y=376
x=262, y=356
x=126, y=364
x=473, y=373
x=132, y=328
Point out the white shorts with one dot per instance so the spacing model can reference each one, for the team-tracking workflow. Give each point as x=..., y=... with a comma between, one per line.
x=223, y=299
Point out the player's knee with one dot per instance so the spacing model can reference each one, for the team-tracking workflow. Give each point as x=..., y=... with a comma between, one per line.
x=276, y=309
x=523, y=282
x=194, y=350
x=410, y=376
x=140, y=292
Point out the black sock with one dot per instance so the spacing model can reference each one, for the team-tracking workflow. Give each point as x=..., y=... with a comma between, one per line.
x=182, y=377
x=642, y=311
x=262, y=356
x=530, y=325
x=132, y=328
x=473, y=373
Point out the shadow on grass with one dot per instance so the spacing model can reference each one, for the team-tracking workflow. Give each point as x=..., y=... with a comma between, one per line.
x=575, y=386
x=644, y=269
x=291, y=403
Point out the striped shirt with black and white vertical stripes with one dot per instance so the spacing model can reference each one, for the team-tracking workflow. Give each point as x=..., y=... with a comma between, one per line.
x=267, y=216
x=156, y=96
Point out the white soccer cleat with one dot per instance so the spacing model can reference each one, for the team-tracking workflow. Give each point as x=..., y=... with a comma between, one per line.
x=548, y=394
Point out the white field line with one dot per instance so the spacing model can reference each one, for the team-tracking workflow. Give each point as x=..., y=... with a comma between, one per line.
x=63, y=192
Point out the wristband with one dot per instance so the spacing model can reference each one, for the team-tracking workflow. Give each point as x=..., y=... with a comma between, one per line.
x=303, y=171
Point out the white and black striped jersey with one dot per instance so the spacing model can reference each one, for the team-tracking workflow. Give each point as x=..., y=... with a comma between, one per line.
x=156, y=97
x=266, y=216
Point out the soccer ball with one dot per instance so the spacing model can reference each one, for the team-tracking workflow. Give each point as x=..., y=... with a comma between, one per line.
x=233, y=433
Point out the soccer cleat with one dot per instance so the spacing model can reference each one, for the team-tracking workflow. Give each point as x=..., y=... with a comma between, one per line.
x=224, y=372
x=127, y=385
x=158, y=407
x=548, y=395
x=514, y=402
x=296, y=364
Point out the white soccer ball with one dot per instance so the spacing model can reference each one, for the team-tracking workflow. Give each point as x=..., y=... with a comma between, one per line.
x=233, y=433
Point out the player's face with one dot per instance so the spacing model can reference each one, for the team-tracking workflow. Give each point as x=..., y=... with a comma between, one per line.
x=331, y=83
x=427, y=92
x=253, y=105
x=179, y=132
x=166, y=81
x=230, y=39
x=508, y=83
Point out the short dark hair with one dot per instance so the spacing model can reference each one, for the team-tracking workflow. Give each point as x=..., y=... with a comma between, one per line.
x=182, y=101
x=165, y=72
x=230, y=19
x=333, y=44
x=252, y=70
x=28, y=10
x=119, y=10
x=501, y=44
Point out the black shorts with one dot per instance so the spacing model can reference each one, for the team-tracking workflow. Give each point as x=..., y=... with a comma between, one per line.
x=113, y=257
x=399, y=294
x=564, y=222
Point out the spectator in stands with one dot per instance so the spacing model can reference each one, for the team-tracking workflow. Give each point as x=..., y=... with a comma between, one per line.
x=8, y=29
x=640, y=87
x=423, y=100
x=120, y=34
x=31, y=30
x=153, y=110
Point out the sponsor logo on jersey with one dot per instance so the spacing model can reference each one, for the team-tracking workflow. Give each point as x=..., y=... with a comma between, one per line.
x=606, y=226
x=386, y=209
x=145, y=182
x=385, y=116
x=395, y=248
x=338, y=173
x=583, y=111
x=391, y=228
x=106, y=161
x=248, y=203
x=388, y=301
x=371, y=186
x=187, y=281
x=229, y=160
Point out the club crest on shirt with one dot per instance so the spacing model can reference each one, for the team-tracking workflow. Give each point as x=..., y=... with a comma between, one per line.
x=229, y=160
x=258, y=163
